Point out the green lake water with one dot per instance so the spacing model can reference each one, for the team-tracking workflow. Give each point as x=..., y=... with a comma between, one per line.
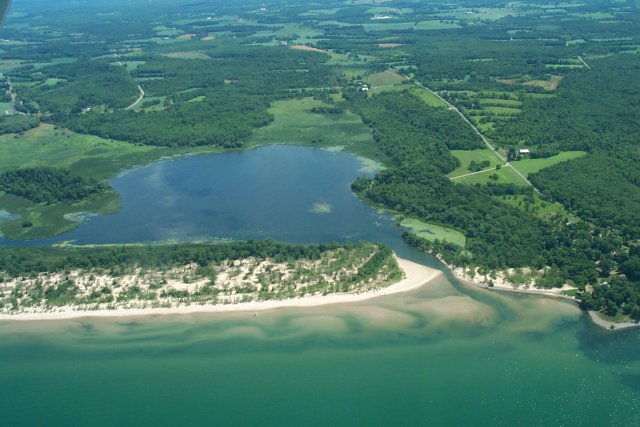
x=442, y=355
x=445, y=354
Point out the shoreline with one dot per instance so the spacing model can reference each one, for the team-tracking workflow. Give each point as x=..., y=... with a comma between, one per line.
x=502, y=285
x=609, y=325
x=415, y=276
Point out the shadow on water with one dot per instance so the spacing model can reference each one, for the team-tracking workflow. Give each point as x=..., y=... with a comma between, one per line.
x=610, y=347
x=631, y=380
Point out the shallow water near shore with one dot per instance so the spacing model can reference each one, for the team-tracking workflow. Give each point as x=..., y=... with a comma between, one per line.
x=446, y=354
x=438, y=356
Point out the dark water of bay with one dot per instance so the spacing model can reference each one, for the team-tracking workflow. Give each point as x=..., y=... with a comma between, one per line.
x=443, y=355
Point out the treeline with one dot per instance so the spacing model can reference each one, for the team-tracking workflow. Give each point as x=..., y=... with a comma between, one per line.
x=17, y=123
x=83, y=84
x=49, y=185
x=32, y=260
x=408, y=131
x=620, y=294
x=600, y=189
x=478, y=60
x=224, y=121
x=595, y=108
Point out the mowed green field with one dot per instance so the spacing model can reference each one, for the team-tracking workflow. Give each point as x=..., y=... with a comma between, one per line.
x=529, y=166
x=467, y=156
x=505, y=175
x=433, y=232
x=429, y=98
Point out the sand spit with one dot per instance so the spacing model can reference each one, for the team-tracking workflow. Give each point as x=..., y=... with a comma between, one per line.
x=415, y=276
x=613, y=326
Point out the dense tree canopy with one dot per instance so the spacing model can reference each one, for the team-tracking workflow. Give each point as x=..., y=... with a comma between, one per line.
x=49, y=185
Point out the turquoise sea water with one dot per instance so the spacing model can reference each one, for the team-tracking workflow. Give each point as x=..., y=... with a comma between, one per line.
x=445, y=354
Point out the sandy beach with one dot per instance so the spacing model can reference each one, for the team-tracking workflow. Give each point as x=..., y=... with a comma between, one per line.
x=416, y=275
x=501, y=283
x=607, y=324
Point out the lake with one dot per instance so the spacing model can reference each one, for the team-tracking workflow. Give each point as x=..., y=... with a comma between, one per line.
x=446, y=354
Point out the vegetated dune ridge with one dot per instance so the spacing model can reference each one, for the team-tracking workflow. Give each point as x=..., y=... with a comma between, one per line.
x=415, y=276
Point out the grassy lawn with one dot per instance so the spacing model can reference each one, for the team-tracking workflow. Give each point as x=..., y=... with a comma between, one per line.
x=467, y=156
x=505, y=176
x=529, y=166
x=296, y=124
x=492, y=102
x=4, y=106
x=486, y=127
x=429, y=98
x=502, y=111
x=432, y=232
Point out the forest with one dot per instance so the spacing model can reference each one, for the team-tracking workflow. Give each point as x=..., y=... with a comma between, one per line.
x=17, y=123
x=49, y=185
x=19, y=261
x=198, y=104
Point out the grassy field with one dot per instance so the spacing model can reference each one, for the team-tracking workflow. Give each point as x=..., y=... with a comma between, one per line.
x=498, y=102
x=467, y=156
x=47, y=146
x=504, y=176
x=5, y=106
x=386, y=78
x=541, y=208
x=551, y=84
x=429, y=98
x=432, y=232
x=529, y=166
x=188, y=54
x=296, y=124
x=503, y=111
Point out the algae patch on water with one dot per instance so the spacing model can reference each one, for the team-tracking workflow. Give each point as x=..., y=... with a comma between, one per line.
x=321, y=208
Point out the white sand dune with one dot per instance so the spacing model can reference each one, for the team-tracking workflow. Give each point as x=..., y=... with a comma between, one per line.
x=416, y=275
